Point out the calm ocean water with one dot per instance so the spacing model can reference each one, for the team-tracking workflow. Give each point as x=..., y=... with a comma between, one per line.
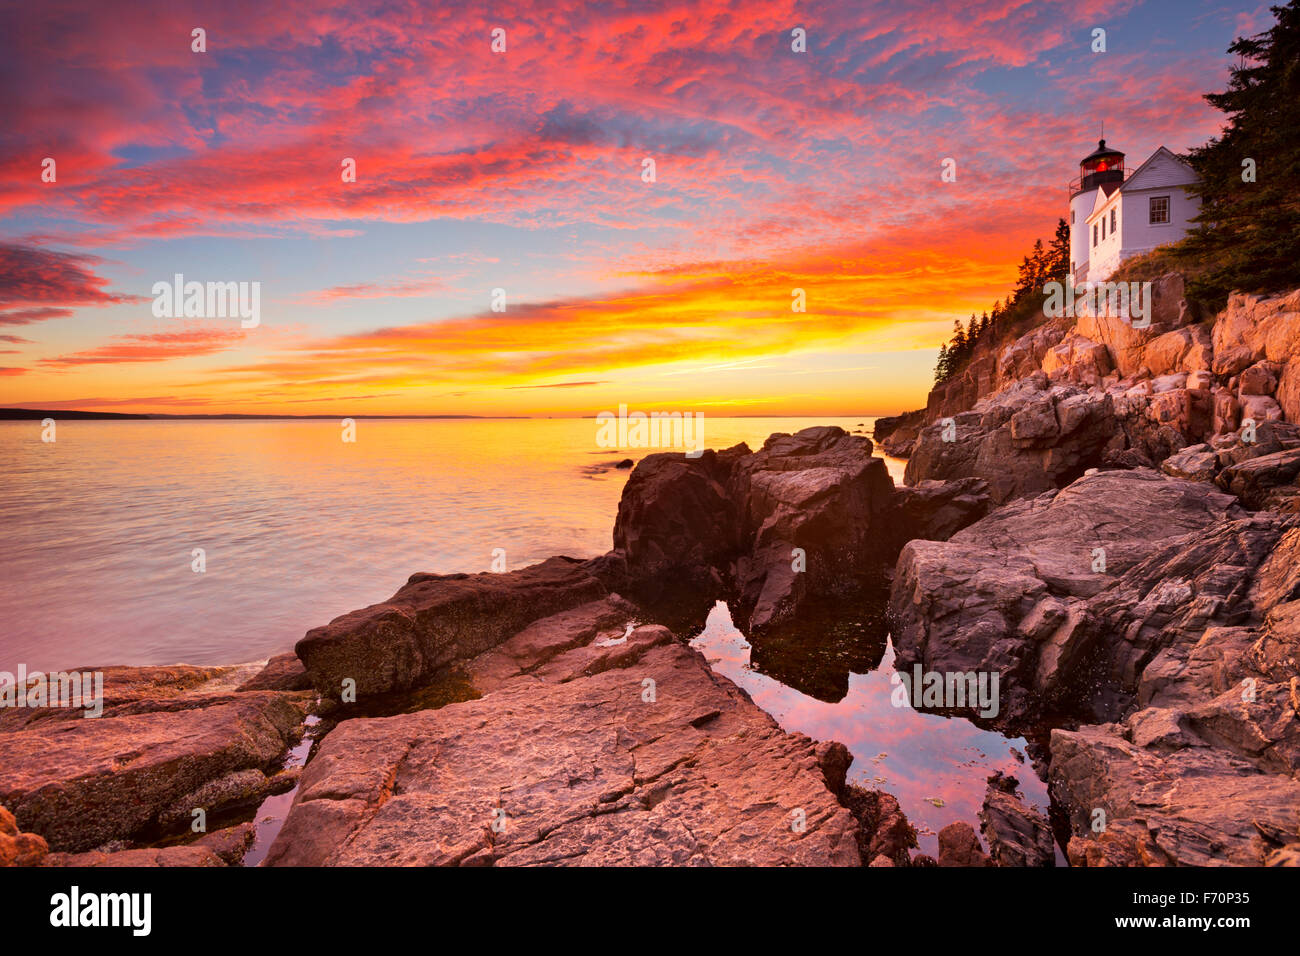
x=297, y=527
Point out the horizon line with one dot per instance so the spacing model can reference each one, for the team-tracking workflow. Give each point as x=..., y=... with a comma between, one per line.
x=23, y=413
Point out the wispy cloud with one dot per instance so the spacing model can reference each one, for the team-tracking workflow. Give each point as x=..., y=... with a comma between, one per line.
x=151, y=347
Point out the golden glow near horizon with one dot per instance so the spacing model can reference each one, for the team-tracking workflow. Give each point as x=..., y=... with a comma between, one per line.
x=719, y=343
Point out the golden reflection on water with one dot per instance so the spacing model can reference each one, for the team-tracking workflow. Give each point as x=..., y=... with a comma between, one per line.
x=296, y=525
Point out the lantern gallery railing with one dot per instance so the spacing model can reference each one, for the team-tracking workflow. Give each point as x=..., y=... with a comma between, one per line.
x=1093, y=180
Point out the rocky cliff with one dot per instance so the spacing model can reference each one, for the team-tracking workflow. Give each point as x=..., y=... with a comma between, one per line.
x=1135, y=587
x=1098, y=392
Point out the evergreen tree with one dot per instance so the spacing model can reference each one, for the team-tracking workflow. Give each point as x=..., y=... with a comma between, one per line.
x=1250, y=231
x=1043, y=264
x=1037, y=267
x=1024, y=279
x=1057, y=265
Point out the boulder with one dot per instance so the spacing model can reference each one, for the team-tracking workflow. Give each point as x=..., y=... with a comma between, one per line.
x=897, y=433
x=884, y=832
x=435, y=619
x=1254, y=479
x=819, y=491
x=19, y=849
x=1008, y=595
x=1016, y=835
x=1259, y=408
x=81, y=782
x=677, y=524
x=936, y=510
x=282, y=672
x=807, y=518
x=1023, y=441
x=1078, y=360
x=1195, y=463
x=1029, y=353
x=959, y=846
x=1226, y=412
x=1195, y=806
x=1165, y=353
x=1260, y=379
x=1126, y=459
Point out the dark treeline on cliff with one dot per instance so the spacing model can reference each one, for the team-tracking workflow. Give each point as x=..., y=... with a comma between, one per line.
x=1248, y=231
x=1022, y=308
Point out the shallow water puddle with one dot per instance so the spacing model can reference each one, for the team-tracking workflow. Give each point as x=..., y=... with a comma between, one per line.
x=272, y=811
x=936, y=766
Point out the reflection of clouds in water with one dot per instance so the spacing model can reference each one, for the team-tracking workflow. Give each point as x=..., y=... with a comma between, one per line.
x=936, y=766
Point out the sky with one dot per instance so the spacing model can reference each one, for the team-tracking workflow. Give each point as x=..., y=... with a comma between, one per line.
x=524, y=170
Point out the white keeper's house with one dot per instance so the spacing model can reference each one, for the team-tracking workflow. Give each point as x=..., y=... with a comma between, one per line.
x=1116, y=213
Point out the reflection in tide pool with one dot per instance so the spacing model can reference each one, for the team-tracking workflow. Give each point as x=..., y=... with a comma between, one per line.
x=936, y=766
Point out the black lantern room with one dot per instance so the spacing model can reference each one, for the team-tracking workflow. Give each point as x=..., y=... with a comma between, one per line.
x=1100, y=167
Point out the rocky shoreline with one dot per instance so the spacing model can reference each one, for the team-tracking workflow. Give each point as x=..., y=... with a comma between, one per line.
x=1104, y=518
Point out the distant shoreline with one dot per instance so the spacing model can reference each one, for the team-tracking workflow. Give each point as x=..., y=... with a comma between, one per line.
x=33, y=414
x=29, y=414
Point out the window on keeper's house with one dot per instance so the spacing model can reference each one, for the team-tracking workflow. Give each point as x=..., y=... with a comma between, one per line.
x=1094, y=233
x=1113, y=214
x=1159, y=210
x=1103, y=228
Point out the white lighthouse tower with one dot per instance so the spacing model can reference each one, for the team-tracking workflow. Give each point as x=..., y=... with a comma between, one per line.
x=1102, y=169
x=1116, y=213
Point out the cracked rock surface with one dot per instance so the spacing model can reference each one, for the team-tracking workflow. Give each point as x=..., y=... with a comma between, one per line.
x=169, y=739
x=593, y=744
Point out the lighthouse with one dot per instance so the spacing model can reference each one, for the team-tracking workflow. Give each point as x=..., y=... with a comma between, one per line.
x=1117, y=213
x=1102, y=169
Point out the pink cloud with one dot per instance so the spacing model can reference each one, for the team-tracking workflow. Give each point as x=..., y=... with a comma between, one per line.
x=151, y=347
